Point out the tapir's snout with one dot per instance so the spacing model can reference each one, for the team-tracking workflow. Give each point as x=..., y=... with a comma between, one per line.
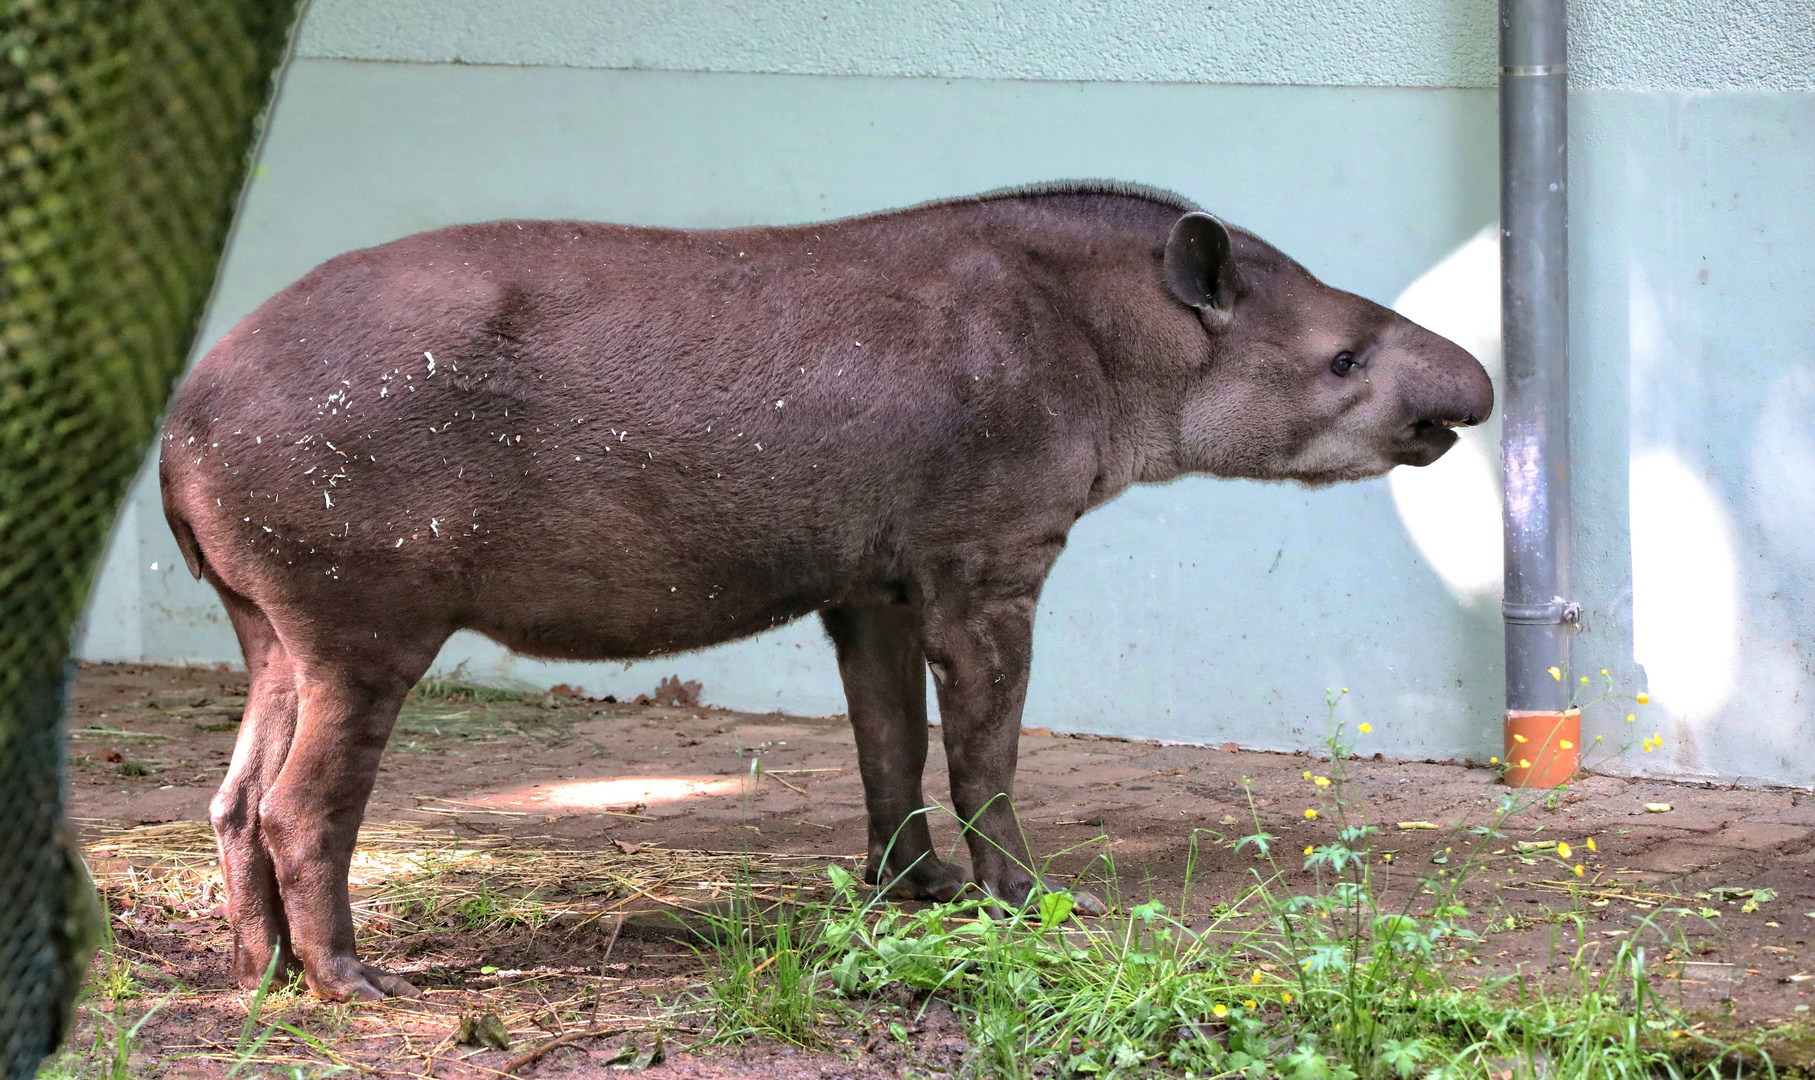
x=1446, y=389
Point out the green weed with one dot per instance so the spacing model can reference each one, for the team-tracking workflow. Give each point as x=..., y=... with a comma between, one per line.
x=1336, y=982
x=767, y=978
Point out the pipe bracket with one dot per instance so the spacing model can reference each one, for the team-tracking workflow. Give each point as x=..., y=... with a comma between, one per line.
x=1557, y=612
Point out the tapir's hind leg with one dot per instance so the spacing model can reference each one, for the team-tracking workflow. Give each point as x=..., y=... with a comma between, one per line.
x=254, y=907
x=348, y=696
x=884, y=675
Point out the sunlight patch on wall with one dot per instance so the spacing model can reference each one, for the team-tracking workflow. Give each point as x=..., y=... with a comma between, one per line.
x=1685, y=587
x=1452, y=508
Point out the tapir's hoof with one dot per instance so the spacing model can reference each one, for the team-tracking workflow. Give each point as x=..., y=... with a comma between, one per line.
x=1084, y=903
x=1022, y=892
x=929, y=879
x=349, y=980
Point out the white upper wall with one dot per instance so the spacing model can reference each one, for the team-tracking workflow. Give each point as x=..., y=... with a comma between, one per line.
x=1616, y=44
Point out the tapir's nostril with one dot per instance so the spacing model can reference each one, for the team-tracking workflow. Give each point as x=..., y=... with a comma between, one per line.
x=1470, y=420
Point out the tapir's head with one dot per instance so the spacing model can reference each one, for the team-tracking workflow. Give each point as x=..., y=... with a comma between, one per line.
x=1300, y=381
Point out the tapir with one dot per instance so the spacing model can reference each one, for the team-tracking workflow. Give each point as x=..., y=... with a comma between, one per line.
x=593, y=441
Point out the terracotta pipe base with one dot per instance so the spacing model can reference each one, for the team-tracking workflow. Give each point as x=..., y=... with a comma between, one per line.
x=1551, y=750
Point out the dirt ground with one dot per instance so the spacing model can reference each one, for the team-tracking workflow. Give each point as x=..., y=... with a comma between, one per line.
x=616, y=783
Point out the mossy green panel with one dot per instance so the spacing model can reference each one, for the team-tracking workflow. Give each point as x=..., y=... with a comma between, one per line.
x=125, y=127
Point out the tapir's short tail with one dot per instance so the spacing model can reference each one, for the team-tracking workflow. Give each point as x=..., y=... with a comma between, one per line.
x=179, y=524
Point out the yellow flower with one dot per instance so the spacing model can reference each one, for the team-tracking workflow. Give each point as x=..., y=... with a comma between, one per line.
x=1630, y=717
x=1590, y=843
x=1322, y=781
x=1310, y=814
x=1647, y=745
x=1566, y=744
x=1557, y=674
x=1523, y=764
x=1251, y=1003
x=1579, y=870
x=1308, y=850
x=1656, y=738
x=1255, y=978
x=1493, y=761
x=1562, y=850
x=1644, y=698
x=1345, y=689
x=1519, y=738
x=1584, y=680
x=1286, y=998
x=1603, y=671
x=1365, y=728
x=1307, y=774
x=1220, y=1010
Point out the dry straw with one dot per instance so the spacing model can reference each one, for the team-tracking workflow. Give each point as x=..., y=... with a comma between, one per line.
x=410, y=877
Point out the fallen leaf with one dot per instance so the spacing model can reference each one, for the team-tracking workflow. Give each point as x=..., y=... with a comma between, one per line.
x=1657, y=808
x=626, y=846
x=1037, y=732
x=1417, y=825
x=676, y=694
x=482, y=1029
x=1752, y=897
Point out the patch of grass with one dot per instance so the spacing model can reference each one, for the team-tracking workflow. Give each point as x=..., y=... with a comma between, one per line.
x=455, y=687
x=766, y=979
x=1339, y=981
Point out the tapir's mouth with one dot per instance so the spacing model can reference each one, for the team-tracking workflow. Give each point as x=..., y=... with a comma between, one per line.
x=1427, y=440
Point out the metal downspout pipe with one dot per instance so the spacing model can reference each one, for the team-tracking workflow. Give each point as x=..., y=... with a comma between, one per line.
x=1542, y=735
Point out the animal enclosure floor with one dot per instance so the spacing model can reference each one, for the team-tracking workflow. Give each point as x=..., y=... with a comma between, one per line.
x=596, y=795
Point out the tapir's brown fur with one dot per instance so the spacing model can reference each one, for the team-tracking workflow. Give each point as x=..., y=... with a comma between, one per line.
x=596, y=441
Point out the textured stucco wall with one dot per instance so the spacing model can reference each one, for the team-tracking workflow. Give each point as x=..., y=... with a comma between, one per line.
x=1629, y=44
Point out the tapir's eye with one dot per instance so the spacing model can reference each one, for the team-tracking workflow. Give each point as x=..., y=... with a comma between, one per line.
x=1344, y=362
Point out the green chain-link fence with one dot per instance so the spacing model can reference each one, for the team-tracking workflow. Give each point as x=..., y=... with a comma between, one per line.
x=125, y=129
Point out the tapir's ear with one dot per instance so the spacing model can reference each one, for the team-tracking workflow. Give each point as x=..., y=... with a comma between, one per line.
x=1200, y=265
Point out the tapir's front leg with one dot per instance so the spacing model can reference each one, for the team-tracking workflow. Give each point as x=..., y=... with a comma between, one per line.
x=979, y=643
x=884, y=675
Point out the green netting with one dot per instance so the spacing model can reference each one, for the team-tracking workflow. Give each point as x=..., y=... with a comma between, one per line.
x=125, y=128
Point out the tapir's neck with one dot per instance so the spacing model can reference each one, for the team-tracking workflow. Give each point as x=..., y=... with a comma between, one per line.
x=1144, y=345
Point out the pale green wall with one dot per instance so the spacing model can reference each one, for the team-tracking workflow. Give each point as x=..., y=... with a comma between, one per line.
x=1625, y=44
x=1205, y=611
